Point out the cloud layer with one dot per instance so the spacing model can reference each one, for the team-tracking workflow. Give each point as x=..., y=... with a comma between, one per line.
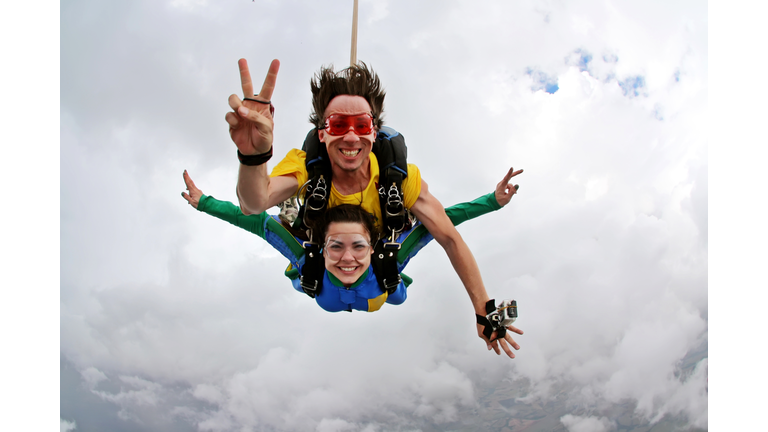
x=181, y=322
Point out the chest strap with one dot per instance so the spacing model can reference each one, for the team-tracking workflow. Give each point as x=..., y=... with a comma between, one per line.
x=313, y=271
x=384, y=263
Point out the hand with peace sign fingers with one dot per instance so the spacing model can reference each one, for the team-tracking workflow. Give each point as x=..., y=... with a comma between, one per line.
x=193, y=197
x=251, y=119
x=505, y=190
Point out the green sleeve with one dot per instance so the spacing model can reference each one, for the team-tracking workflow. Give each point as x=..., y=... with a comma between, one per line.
x=465, y=211
x=231, y=213
x=457, y=213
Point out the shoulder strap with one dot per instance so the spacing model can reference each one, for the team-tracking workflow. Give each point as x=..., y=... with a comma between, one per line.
x=392, y=153
x=313, y=271
x=318, y=185
x=391, y=150
x=316, y=192
x=384, y=263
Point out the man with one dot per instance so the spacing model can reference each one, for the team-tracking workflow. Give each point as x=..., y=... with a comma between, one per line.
x=351, y=98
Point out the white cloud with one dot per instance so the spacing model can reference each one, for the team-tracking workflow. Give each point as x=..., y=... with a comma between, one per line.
x=67, y=426
x=587, y=424
x=335, y=425
x=93, y=376
x=143, y=393
x=605, y=247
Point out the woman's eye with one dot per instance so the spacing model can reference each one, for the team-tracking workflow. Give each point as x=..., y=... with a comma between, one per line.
x=335, y=248
x=359, y=247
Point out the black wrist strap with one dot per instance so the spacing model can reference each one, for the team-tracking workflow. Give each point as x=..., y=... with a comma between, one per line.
x=254, y=160
x=491, y=327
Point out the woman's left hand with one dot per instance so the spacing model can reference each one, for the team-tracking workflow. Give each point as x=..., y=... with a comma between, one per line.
x=505, y=190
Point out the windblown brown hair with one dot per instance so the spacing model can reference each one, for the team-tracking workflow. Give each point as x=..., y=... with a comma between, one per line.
x=357, y=80
x=348, y=213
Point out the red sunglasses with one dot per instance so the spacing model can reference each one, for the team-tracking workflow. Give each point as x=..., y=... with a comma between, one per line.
x=340, y=124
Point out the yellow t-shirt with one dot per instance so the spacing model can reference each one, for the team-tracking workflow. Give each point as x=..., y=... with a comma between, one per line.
x=294, y=164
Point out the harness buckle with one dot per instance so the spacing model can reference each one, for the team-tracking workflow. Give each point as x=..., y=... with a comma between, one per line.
x=318, y=195
x=309, y=288
x=393, y=246
x=392, y=286
x=392, y=206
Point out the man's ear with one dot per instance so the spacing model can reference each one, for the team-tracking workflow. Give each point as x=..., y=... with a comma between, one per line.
x=321, y=135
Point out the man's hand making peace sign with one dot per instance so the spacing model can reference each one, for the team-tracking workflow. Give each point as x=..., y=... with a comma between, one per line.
x=251, y=122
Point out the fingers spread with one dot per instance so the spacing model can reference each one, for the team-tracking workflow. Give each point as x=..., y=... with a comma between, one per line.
x=508, y=338
x=269, y=81
x=508, y=176
x=504, y=345
x=495, y=345
x=245, y=78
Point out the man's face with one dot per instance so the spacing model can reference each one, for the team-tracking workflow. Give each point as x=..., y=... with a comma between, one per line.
x=349, y=151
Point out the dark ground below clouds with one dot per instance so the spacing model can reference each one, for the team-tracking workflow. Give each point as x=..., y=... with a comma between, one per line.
x=93, y=414
x=499, y=409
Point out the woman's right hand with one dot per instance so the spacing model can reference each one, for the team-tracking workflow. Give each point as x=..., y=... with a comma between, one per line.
x=193, y=197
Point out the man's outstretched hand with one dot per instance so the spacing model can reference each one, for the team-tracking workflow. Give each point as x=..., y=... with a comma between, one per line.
x=504, y=193
x=504, y=342
x=250, y=121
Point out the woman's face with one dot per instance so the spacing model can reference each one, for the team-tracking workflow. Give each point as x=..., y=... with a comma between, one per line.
x=347, y=251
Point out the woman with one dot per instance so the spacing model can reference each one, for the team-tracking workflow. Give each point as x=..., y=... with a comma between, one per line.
x=348, y=234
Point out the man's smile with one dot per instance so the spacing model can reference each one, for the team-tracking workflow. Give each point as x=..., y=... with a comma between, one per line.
x=350, y=153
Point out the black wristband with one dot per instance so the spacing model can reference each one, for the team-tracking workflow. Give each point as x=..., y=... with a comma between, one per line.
x=254, y=160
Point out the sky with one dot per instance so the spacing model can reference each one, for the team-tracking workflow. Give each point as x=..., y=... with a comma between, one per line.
x=170, y=319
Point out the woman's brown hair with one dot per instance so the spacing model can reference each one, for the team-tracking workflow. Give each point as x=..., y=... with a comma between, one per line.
x=348, y=213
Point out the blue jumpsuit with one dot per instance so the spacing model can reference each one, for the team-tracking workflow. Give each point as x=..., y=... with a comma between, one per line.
x=365, y=294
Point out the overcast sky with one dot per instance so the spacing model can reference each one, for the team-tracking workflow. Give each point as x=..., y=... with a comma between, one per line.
x=170, y=317
x=165, y=310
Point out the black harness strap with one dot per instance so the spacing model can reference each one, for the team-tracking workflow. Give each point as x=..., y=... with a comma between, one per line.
x=312, y=273
x=384, y=262
x=392, y=154
x=318, y=186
